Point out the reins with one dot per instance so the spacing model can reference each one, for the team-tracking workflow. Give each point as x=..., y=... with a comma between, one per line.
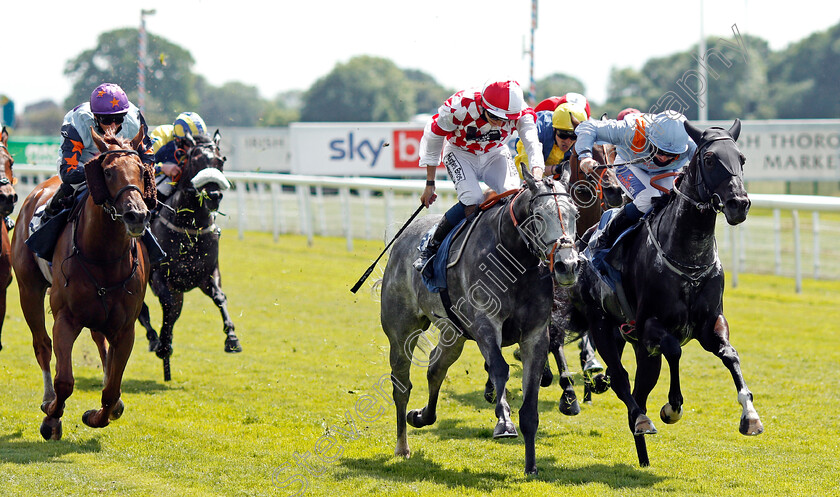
x=563, y=241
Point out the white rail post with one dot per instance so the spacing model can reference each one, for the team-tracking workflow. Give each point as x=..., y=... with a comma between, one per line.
x=242, y=211
x=365, y=194
x=797, y=253
x=276, y=210
x=816, y=218
x=733, y=237
x=344, y=192
x=322, y=216
x=777, y=239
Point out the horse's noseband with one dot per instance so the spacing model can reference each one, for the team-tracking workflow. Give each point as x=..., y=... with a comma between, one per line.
x=109, y=203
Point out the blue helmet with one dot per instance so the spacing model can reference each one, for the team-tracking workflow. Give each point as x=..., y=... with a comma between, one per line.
x=667, y=132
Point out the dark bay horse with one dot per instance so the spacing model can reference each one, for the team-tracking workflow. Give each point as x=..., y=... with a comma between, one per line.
x=8, y=198
x=186, y=230
x=502, y=289
x=592, y=194
x=672, y=282
x=98, y=277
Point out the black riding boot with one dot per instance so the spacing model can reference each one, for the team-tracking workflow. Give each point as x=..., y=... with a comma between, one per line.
x=10, y=223
x=616, y=226
x=156, y=253
x=441, y=230
x=56, y=203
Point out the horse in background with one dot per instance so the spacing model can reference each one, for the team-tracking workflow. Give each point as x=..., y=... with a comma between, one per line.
x=186, y=230
x=500, y=279
x=8, y=198
x=98, y=276
x=671, y=286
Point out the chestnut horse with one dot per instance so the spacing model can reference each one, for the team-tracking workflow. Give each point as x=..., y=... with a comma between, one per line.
x=98, y=275
x=8, y=198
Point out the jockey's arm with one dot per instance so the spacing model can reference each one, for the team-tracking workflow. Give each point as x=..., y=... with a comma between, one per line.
x=528, y=137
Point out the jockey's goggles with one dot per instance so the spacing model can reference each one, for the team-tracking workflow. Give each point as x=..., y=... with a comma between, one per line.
x=107, y=119
x=565, y=135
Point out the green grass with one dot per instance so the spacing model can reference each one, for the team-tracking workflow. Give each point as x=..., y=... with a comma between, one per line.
x=237, y=424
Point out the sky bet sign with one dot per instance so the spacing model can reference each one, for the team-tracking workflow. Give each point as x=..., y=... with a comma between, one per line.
x=357, y=149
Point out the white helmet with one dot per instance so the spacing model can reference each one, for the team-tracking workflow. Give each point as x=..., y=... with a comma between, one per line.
x=504, y=99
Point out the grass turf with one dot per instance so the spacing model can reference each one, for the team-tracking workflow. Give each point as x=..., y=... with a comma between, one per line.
x=286, y=415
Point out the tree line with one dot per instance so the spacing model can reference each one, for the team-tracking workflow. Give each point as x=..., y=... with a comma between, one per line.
x=744, y=79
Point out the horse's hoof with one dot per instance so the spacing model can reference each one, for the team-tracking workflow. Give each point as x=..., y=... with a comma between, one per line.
x=51, y=428
x=644, y=426
x=751, y=427
x=86, y=419
x=118, y=410
x=531, y=471
x=505, y=430
x=569, y=407
x=415, y=418
x=403, y=452
x=547, y=378
x=163, y=351
x=232, y=345
x=600, y=383
x=153, y=345
x=490, y=394
x=669, y=415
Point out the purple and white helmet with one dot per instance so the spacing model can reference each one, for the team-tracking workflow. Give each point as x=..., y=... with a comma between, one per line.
x=108, y=98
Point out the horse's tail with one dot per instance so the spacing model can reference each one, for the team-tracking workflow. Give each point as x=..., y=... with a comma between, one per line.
x=376, y=290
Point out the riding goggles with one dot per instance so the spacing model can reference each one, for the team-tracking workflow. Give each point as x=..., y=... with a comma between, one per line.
x=565, y=135
x=107, y=119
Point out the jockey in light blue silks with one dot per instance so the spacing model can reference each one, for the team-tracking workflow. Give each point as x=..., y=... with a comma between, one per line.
x=652, y=146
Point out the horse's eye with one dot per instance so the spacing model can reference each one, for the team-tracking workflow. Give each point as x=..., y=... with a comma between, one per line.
x=108, y=173
x=742, y=158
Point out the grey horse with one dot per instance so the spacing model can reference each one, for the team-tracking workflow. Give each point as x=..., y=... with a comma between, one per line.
x=501, y=287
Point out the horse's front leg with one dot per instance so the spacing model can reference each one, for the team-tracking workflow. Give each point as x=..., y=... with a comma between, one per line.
x=112, y=406
x=534, y=351
x=568, y=404
x=671, y=412
x=443, y=356
x=489, y=343
x=212, y=287
x=146, y=321
x=171, y=304
x=717, y=342
x=611, y=348
x=64, y=335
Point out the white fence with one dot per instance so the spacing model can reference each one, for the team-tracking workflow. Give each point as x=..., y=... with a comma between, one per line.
x=371, y=208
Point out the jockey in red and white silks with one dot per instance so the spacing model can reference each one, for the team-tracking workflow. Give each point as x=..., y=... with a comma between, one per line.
x=474, y=148
x=471, y=129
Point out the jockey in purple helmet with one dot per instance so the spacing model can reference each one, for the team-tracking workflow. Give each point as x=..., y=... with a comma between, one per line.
x=107, y=111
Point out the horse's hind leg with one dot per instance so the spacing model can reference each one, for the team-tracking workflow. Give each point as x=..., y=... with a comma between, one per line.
x=146, y=321
x=32, y=305
x=171, y=303
x=402, y=344
x=112, y=405
x=717, y=342
x=212, y=288
x=442, y=357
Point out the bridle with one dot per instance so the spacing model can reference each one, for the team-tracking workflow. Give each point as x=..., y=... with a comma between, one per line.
x=534, y=246
x=712, y=199
x=108, y=205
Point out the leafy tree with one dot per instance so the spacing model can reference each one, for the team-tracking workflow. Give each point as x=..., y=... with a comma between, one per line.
x=170, y=83
x=284, y=109
x=429, y=93
x=233, y=104
x=41, y=118
x=362, y=90
x=557, y=84
x=803, y=77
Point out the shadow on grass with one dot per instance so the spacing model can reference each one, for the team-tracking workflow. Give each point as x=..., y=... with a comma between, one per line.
x=14, y=449
x=420, y=468
x=549, y=397
x=94, y=383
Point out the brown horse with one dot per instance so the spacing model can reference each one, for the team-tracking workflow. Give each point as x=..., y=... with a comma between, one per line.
x=8, y=198
x=99, y=275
